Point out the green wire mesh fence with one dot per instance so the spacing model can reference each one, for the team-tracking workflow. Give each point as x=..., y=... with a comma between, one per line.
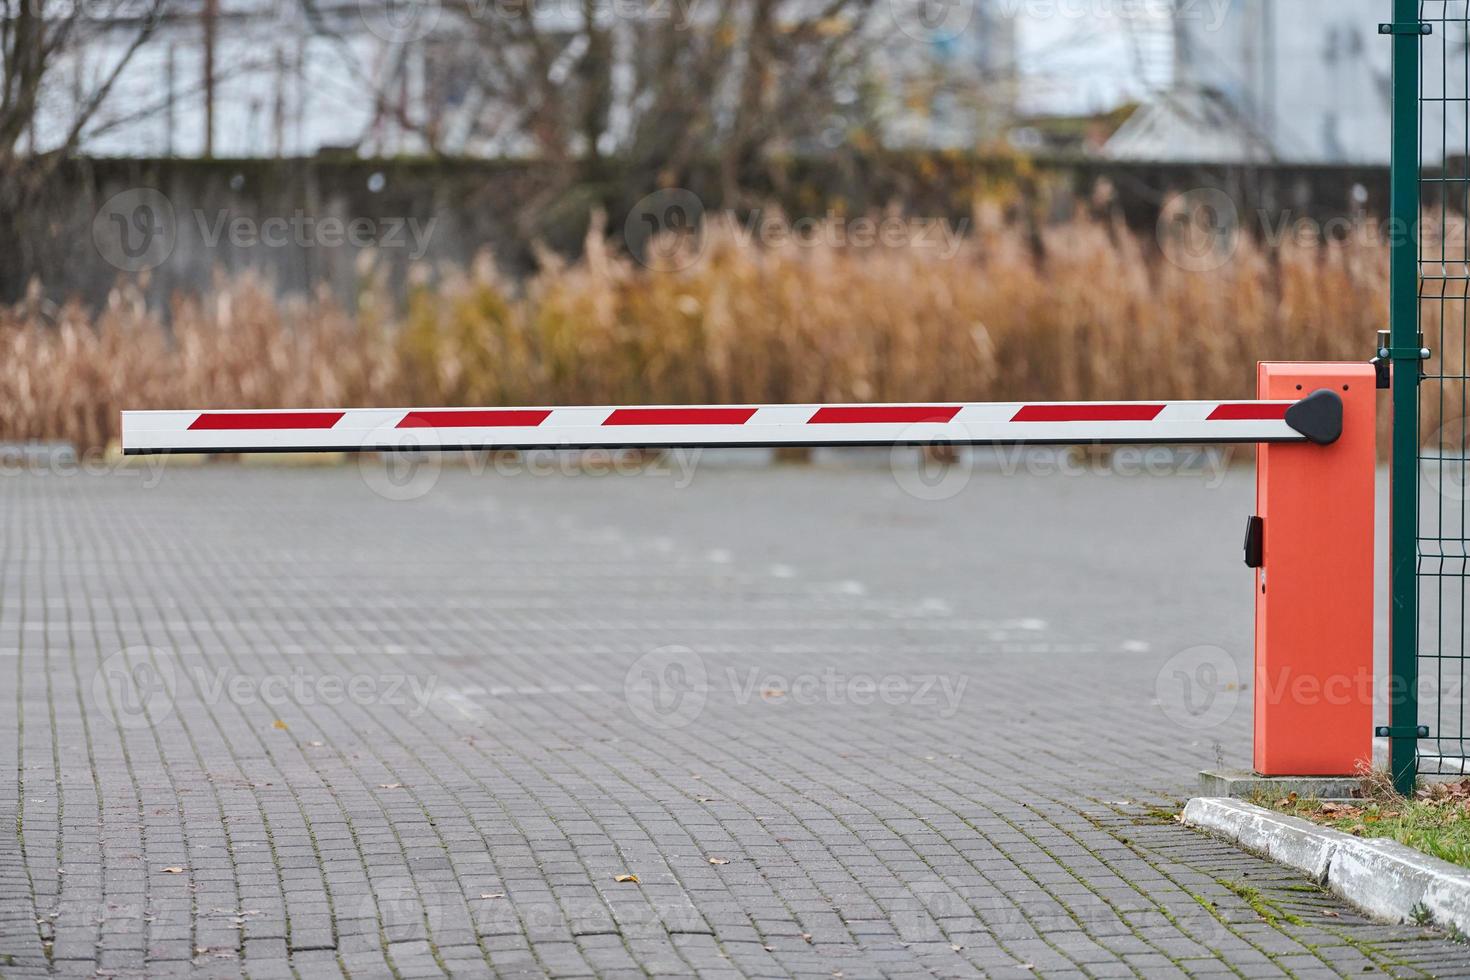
x=1441, y=492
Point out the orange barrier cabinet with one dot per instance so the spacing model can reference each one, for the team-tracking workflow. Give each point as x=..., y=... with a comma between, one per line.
x=1314, y=583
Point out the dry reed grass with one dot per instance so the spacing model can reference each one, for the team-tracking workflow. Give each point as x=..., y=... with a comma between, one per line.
x=1100, y=316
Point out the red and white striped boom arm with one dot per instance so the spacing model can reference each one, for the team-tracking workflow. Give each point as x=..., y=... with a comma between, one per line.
x=1316, y=418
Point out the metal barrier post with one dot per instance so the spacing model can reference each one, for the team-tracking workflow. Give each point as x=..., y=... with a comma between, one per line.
x=1314, y=583
x=1404, y=353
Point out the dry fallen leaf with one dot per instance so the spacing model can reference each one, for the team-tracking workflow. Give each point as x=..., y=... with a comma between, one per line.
x=629, y=878
x=719, y=860
x=173, y=871
x=278, y=723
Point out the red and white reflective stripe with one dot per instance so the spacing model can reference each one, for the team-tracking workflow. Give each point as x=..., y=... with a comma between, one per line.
x=705, y=425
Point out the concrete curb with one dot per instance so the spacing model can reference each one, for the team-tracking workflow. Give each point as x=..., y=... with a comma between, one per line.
x=1382, y=877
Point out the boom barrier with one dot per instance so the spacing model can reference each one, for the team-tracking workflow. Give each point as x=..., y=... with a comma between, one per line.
x=1310, y=542
x=1314, y=418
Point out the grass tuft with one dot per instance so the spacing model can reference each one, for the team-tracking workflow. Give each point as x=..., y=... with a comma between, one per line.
x=1268, y=911
x=1436, y=821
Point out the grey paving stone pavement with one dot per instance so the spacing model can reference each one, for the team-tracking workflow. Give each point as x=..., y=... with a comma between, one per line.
x=835, y=722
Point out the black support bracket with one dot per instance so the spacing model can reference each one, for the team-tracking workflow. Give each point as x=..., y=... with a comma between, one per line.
x=1388, y=355
x=1412, y=27
x=1382, y=363
x=1384, y=731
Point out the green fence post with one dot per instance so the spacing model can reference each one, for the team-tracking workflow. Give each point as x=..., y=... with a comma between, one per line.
x=1404, y=343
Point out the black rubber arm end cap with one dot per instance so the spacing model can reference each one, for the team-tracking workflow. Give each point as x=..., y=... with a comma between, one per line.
x=1318, y=417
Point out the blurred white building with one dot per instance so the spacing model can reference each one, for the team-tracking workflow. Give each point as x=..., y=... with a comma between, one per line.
x=292, y=78
x=1298, y=81
x=285, y=83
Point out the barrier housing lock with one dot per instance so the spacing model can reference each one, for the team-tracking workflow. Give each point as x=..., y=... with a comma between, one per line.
x=1255, y=542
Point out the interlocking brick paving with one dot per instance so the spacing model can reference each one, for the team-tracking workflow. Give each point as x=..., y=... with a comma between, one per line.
x=267, y=721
